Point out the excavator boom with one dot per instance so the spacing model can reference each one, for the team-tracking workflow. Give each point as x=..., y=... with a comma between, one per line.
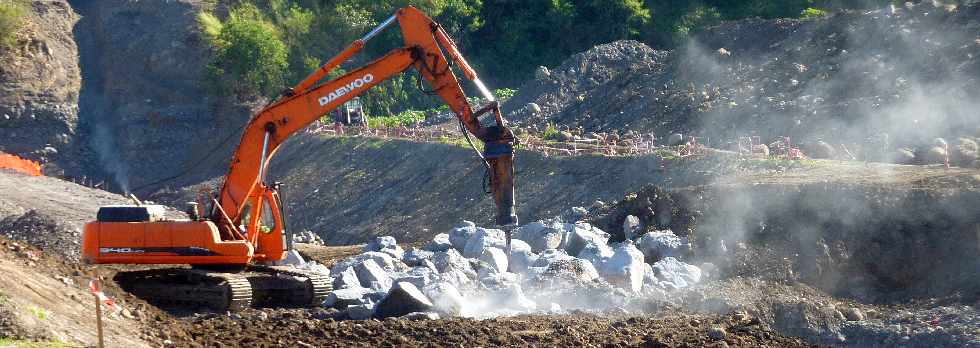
x=306, y=104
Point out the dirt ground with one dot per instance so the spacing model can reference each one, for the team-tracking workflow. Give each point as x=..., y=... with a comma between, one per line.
x=44, y=299
x=304, y=328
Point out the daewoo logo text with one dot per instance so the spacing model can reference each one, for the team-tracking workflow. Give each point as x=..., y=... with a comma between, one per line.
x=345, y=89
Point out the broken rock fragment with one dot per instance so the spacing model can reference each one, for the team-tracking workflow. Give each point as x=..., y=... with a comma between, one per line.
x=482, y=240
x=577, y=270
x=346, y=297
x=582, y=234
x=439, y=243
x=346, y=279
x=461, y=234
x=539, y=236
x=360, y=312
x=676, y=274
x=657, y=245
x=387, y=245
x=631, y=227
x=521, y=256
x=404, y=298
x=417, y=257
x=446, y=298
x=372, y=276
x=496, y=258
x=625, y=267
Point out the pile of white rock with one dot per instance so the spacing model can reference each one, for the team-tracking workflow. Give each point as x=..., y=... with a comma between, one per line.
x=472, y=272
x=308, y=237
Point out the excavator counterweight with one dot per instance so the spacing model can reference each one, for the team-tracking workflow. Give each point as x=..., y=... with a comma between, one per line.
x=234, y=237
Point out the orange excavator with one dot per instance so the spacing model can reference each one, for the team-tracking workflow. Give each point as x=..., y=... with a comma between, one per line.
x=232, y=241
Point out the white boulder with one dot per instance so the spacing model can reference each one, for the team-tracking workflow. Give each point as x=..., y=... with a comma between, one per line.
x=496, y=258
x=625, y=267
x=581, y=234
x=439, y=243
x=482, y=240
x=657, y=245
x=461, y=234
x=446, y=298
x=540, y=236
x=346, y=279
x=550, y=256
x=372, y=276
x=676, y=274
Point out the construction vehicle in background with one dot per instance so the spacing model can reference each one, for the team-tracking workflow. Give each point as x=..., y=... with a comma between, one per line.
x=233, y=239
x=350, y=114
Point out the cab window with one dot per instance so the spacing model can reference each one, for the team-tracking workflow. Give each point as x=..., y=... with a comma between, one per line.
x=268, y=220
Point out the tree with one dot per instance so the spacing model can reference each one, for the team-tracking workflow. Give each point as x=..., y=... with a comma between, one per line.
x=250, y=58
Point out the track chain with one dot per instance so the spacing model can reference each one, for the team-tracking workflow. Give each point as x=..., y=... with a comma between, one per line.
x=318, y=285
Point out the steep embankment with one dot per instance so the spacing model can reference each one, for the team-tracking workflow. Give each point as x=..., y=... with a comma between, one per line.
x=350, y=189
x=113, y=90
x=144, y=107
x=907, y=71
x=39, y=84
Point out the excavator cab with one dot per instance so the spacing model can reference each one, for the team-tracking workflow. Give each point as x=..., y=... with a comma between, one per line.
x=350, y=114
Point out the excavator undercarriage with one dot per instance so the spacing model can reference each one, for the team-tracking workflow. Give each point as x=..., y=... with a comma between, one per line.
x=227, y=289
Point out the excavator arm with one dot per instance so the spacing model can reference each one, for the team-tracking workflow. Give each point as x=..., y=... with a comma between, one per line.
x=303, y=104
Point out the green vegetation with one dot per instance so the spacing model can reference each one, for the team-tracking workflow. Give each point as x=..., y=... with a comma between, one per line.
x=250, y=56
x=405, y=118
x=811, y=12
x=39, y=313
x=550, y=133
x=10, y=342
x=11, y=20
x=504, y=40
x=461, y=142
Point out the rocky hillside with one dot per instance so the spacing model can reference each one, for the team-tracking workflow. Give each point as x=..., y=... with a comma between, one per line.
x=906, y=71
x=143, y=101
x=39, y=83
x=112, y=89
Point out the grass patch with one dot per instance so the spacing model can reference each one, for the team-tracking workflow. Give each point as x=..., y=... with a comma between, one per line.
x=39, y=313
x=550, y=133
x=811, y=12
x=778, y=163
x=10, y=342
x=405, y=118
x=461, y=142
x=12, y=14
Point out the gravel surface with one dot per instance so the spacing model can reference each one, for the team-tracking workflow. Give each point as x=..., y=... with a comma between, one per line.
x=302, y=328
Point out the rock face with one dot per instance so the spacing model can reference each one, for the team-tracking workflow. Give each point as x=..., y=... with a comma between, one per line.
x=712, y=86
x=39, y=85
x=144, y=110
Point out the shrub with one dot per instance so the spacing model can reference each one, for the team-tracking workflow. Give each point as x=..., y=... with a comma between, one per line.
x=250, y=56
x=550, y=133
x=12, y=14
x=209, y=25
x=405, y=118
x=504, y=94
x=811, y=12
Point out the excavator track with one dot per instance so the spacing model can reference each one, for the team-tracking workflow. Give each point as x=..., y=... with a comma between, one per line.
x=295, y=287
x=221, y=290
x=190, y=288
